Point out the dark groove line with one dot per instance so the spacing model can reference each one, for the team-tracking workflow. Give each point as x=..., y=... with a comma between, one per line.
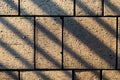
x=102, y=7
x=101, y=75
x=51, y=69
x=18, y=75
x=55, y=16
x=74, y=8
x=62, y=43
x=73, y=75
x=34, y=43
x=116, y=42
x=18, y=7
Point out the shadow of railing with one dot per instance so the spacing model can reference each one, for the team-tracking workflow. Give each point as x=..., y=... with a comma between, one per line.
x=111, y=6
x=29, y=42
x=9, y=73
x=89, y=45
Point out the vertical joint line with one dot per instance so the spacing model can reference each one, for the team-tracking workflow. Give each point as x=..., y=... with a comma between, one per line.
x=34, y=43
x=101, y=75
x=74, y=13
x=73, y=75
x=102, y=7
x=19, y=7
x=18, y=75
x=117, y=42
x=62, y=18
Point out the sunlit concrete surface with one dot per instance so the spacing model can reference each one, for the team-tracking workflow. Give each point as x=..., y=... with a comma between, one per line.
x=51, y=46
x=111, y=7
x=59, y=39
x=15, y=46
x=95, y=7
x=46, y=75
x=47, y=7
x=87, y=75
x=89, y=41
x=8, y=75
x=6, y=9
x=111, y=74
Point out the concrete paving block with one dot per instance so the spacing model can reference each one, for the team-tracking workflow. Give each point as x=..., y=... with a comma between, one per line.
x=87, y=75
x=8, y=75
x=46, y=75
x=88, y=42
x=111, y=7
x=7, y=8
x=48, y=39
x=16, y=42
x=111, y=74
x=119, y=43
x=88, y=7
x=46, y=7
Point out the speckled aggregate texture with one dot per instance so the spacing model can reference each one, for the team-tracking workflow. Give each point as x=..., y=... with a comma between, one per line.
x=111, y=7
x=8, y=75
x=51, y=46
x=16, y=42
x=87, y=75
x=111, y=74
x=47, y=75
x=90, y=42
x=6, y=7
x=47, y=7
x=94, y=6
x=59, y=39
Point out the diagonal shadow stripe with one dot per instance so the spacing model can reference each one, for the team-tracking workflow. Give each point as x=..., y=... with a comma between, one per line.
x=114, y=8
x=10, y=73
x=29, y=42
x=87, y=32
x=98, y=20
x=14, y=53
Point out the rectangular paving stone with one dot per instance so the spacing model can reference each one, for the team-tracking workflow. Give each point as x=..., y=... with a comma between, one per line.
x=119, y=43
x=87, y=75
x=8, y=75
x=8, y=7
x=111, y=74
x=89, y=43
x=46, y=7
x=88, y=7
x=111, y=7
x=48, y=40
x=46, y=75
x=16, y=42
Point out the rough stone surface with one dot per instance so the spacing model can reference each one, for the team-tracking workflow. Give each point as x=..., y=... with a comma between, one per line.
x=90, y=42
x=46, y=75
x=51, y=46
x=16, y=42
x=8, y=75
x=111, y=74
x=87, y=75
x=88, y=7
x=6, y=7
x=111, y=7
x=47, y=7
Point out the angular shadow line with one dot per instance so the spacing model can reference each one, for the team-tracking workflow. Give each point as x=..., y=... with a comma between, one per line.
x=14, y=53
x=112, y=7
x=10, y=74
x=98, y=20
x=28, y=41
x=91, y=36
